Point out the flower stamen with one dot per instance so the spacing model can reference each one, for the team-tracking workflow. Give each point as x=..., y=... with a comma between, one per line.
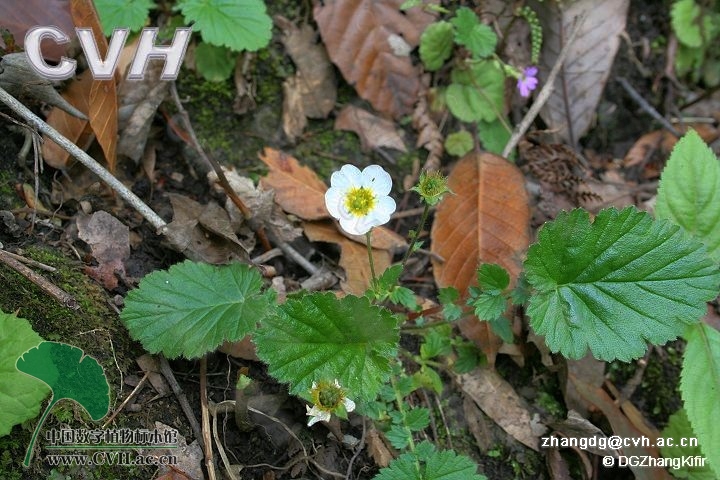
x=359, y=201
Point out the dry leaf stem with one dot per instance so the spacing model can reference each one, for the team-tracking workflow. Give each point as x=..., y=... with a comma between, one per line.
x=209, y=462
x=89, y=162
x=545, y=92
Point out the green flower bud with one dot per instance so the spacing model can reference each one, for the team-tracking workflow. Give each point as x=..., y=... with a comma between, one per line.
x=432, y=187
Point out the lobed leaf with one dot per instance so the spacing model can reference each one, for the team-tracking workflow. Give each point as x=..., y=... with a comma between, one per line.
x=193, y=308
x=132, y=14
x=429, y=464
x=475, y=36
x=689, y=191
x=700, y=389
x=436, y=44
x=477, y=93
x=616, y=283
x=237, y=24
x=214, y=63
x=322, y=337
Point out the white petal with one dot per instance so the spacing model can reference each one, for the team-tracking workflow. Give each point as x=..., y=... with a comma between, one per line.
x=333, y=199
x=351, y=225
x=384, y=208
x=348, y=176
x=317, y=415
x=349, y=405
x=377, y=179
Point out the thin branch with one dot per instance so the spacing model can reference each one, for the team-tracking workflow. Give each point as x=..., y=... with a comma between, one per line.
x=92, y=165
x=51, y=289
x=649, y=109
x=545, y=92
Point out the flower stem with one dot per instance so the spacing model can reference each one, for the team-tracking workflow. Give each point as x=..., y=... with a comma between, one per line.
x=415, y=234
x=401, y=409
x=370, y=257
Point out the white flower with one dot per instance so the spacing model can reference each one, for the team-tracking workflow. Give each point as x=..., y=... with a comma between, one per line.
x=360, y=199
x=327, y=398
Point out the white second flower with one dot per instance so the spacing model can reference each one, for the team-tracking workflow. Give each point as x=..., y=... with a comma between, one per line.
x=359, y=200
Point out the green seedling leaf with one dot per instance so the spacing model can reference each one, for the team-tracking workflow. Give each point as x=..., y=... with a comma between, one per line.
x=616, y=283
x=521, y=293
x=690, y=24
x=417, y=419
x=437, y=342
x=476, y=93
x=459, y=143
x=428, y=378
x=397, y=436
x=192, y=308
x=700, y=389
x=214, y=63
x=488, y=306
x=436, y=44
x=237, y=24
x=448, y=296
x=493, y=136
x=70, y=374
x=132, y=14
x=319, y=337
x=492, y=278
x=429, y=464
x=502, y=328
x=468, y=357
x=689, y=191
x=475, y=36
x=20, y=395
x=679, y=429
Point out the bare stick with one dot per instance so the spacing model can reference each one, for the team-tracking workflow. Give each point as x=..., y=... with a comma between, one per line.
x=182, y=399
x=545, y=92
x=209, y=462
x=51, y=289
x=137, y=388
x=147, y=213
x=647, y=107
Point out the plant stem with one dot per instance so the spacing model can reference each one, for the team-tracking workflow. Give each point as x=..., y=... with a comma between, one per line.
x=415, y=234
x=28, y=455
x=401, y=409
x=370, y=256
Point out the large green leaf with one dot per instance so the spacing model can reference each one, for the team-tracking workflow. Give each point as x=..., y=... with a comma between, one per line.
x=322, y=337
x=614, y=284
x=429, y=464
x=436, y=44
x=476, y=93
x=193, y=308
x=238, y=24
x=20, y=395
x=70, y=374
x=132, y=14
x=689, y=192
x=679, y=430
x=700, y=389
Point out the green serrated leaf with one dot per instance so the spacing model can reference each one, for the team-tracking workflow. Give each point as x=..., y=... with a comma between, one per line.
x=468, y=357
x=689, y=191
x=502, y=328
x=700, y=389
x=403, y=296
x=616, y=283
x=492, y=278
x=397, y=436
x=493, y=136
x=192, y=308
x=429, y=378
x=237, y=24
x=389, y=277
x=686, y=17
x=132, y=14
x=417, y=419
x=459, y=143
x=20, y=395
x=447, y=297
x=320, y=336
x=436, y=44
x=402, y=468
x=488, y=306
x=679, y=430
x=214, y=63
x=446, y=465
x=477, y=93
x=406, y=385
x=436, y=343
x=475, y=36
x=521, y=293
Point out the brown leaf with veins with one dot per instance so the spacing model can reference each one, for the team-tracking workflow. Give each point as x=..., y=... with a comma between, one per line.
x=374, y=132
x=353, y=256
x=298, y=189
x=109, y=241
x=485, y=221
x=359, y=37
x=19, y=16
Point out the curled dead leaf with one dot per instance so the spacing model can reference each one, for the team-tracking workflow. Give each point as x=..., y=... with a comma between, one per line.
x=373, y=131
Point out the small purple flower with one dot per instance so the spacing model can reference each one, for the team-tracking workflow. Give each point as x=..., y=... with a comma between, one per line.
x=528, y=81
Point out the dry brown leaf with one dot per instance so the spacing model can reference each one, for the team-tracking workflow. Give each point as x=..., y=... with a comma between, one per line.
x=293, y=116
x=570, y=110
x=592, y=371
x=485, y=221
x=381, y=238
x=353, y=256
x=188, y=457
x=298, y=190
x=103, y=103
x=316, y=75
x=358, y=36
x=622, y=427
x=109, y=241
x=379, y=451
x=374, y=132
x=662, y=142
x=73, y=128
x=19, y=16
x=497, y=398
x=151, y=366
x=429, y=136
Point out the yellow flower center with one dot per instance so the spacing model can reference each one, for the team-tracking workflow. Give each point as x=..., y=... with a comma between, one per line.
x=359, y=201
x=327, y=396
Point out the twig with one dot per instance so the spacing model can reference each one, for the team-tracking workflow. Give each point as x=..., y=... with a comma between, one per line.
x=51, y=289
x=135, y=391
x=545, y=92
x=649, y=109
x=221, y=449
x=209, y=463
x=31, y=262
x=359, y=449
x=182, y=399
x=125, y=193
